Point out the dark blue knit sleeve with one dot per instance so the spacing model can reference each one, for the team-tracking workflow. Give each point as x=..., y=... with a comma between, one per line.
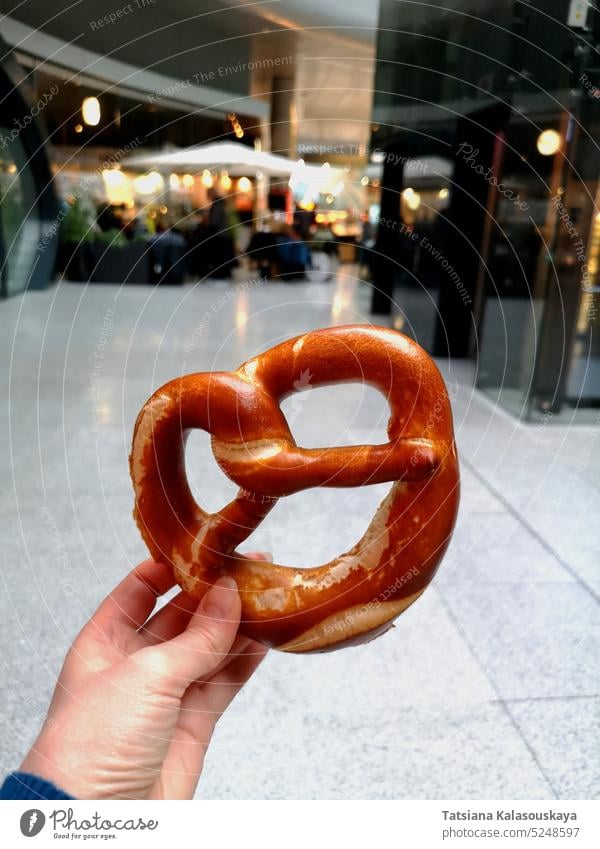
x=24, y=785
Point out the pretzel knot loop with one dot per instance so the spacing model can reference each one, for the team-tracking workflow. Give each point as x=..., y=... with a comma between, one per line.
x=357, y=595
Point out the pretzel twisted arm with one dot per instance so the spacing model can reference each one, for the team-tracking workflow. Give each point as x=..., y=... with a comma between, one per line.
x=279, y=469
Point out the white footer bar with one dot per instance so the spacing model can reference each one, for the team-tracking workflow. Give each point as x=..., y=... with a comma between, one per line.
x=316, y=825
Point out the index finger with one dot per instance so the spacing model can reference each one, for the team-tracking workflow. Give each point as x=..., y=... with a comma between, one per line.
x=132, y=601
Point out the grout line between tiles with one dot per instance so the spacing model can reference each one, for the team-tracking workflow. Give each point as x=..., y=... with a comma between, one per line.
x=500, y=700
x=529, y=528
x=552, y=698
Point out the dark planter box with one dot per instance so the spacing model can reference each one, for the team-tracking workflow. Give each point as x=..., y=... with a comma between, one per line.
x=126, y=264
x=95, y=262
x=72, y=260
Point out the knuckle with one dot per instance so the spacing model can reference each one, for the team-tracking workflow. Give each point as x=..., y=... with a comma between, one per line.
x=212, y=642
x=153, y=662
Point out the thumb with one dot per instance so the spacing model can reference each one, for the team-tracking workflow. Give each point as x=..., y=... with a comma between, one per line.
x=207, y=639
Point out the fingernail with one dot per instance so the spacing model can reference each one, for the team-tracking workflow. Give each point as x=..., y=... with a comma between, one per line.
x=268, y=556
x=220, y=599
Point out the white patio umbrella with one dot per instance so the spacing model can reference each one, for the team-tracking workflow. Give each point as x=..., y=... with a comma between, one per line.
x=238, y=159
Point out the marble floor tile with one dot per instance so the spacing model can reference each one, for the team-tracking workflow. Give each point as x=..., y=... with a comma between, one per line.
x=497, y=548
x=467, y=753
x=563, y=733
x=533, y=639
x=475, y=496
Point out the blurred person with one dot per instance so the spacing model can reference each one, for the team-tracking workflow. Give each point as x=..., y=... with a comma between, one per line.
x=303, y=220
x=220, y=247
x=109, y=216
x=323, y=239
x=366, y=245
x=168, y=250
x=294, y=254
x=234, y=222
x=262, y=249
x=136, y=227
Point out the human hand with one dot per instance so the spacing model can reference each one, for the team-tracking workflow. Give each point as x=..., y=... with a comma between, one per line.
x=139, y=696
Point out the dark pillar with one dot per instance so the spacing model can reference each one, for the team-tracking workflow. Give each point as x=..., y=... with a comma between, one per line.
x=462, y=227
x=19, y=98
x=557, y=335
x=384, y=264
x=282, y=114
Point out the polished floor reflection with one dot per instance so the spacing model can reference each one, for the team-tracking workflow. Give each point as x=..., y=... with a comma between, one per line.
x=487, y=688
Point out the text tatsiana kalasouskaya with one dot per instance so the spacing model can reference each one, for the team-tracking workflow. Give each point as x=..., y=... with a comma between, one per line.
x=551, y=815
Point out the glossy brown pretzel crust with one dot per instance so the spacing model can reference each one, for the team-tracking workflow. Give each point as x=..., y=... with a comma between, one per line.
x=356, y=596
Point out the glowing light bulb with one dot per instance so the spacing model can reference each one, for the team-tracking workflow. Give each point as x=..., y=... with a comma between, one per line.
x=412, y=198
x=113, y=177
x=549, y=142
x=90, y=111
x=148, y=184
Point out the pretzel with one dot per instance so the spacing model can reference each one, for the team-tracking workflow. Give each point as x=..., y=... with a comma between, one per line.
x=356, y=596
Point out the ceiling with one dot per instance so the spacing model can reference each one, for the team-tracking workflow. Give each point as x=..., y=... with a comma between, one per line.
x=328, y=47
x=183, y=37
x=352, y=19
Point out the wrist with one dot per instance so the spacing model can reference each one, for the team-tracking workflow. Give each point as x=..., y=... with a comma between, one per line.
x=62, y=771
x=27, y=785
x=38, y=762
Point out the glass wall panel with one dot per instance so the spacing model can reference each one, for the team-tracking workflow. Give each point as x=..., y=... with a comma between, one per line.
x=510, y=92
x=20, y=230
